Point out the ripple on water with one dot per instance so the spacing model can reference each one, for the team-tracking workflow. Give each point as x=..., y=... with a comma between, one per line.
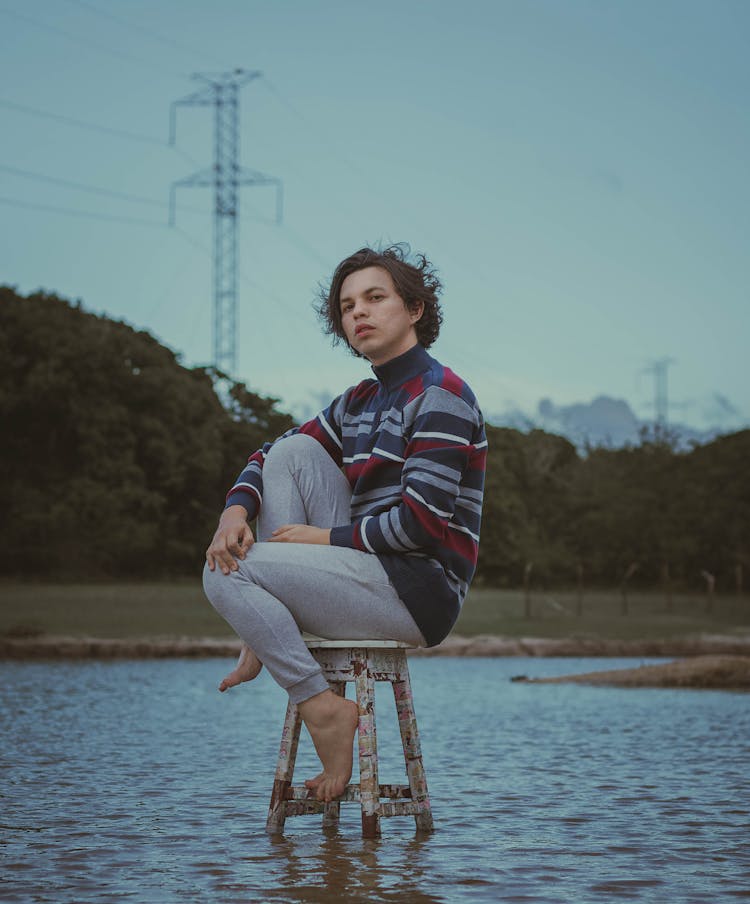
x=137, y=781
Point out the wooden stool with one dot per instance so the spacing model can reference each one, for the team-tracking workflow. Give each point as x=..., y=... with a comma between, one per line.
x=364, y=662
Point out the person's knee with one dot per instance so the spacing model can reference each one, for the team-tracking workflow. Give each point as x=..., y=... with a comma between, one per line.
x=219, y=588
x=291, y=454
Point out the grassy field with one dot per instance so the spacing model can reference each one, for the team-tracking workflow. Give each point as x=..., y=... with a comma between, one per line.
x=553, y=614
x=177, y=609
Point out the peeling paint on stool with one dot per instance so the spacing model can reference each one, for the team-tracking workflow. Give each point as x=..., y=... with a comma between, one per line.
x=364, y=662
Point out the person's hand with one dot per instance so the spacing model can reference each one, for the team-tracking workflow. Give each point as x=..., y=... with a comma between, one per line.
x=231, y=541
x=302, y=533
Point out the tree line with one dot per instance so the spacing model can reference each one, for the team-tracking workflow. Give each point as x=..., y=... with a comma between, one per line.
x=115, y=460
x=649, y=514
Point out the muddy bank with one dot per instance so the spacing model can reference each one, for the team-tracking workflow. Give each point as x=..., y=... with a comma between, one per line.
x=709, y=672
x=56, y=647
x=490, y=645
x=48, y=646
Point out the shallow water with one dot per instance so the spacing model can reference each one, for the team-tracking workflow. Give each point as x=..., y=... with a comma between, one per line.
x=137, y=781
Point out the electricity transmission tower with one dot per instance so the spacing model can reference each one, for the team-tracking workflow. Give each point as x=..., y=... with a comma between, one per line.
x=226, y=176
x=661, y=400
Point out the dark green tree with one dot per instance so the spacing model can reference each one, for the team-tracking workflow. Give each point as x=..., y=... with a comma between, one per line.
x=115, y=457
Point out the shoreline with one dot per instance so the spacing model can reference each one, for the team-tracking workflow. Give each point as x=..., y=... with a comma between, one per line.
x=65, y=647
x=730, y=673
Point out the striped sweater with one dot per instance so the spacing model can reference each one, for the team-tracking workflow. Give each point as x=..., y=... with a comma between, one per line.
x=413, y=447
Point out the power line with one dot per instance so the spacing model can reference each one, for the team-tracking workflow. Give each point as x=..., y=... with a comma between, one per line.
x=69, y=211
x=301, y=244
x=92, y=189
x=85, y=42
x=82, y=124
x=96, y=127
x=289, y=234
x=332, y=147
x=139, y=29
x=81, y=186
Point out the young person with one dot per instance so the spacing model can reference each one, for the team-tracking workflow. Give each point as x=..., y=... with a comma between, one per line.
x=368, y=515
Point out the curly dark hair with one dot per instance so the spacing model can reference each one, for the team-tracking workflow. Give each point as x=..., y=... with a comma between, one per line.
x=414, y=282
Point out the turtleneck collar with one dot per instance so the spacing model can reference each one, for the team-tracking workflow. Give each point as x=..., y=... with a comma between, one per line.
x=398, y=370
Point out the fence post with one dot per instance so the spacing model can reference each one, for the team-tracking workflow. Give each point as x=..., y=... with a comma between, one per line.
x=527, y=589
x=666, y=585
x=632, y=568
x=710, y=580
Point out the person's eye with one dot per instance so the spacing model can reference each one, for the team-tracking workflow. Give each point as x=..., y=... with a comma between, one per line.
x=377, y=297
x=346, y=308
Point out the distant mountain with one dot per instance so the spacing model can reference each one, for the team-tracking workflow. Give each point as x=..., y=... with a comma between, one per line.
x=602, y=422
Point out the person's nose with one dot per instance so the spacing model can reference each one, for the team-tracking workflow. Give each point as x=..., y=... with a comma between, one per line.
x=359, y=310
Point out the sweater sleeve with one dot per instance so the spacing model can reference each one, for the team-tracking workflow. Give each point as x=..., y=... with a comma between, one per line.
x=442, y=482
x=247, y=490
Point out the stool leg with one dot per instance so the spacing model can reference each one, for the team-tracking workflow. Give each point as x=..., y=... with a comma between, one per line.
x=332, y=810
x=369, y=788
x=407, y=723
x=284, y=770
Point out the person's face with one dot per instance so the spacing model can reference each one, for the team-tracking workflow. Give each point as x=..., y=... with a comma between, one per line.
x=374, y=317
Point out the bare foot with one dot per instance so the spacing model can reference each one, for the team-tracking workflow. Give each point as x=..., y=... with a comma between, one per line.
x=332, y=723
x=248, y=666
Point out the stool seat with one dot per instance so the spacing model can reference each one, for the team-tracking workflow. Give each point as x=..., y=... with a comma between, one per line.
x=314, y=642
x=363, y=662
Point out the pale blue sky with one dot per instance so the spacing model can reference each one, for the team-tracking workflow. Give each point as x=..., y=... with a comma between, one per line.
x=577, y=171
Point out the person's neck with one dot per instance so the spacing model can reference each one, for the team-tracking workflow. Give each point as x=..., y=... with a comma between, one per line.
x=402, y=350
x=400, y=368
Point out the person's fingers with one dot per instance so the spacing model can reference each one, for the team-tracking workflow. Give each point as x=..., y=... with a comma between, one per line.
x=229, y=544
x=233, y=542
x=230, y=561
x=221, y=555
x=246, y=541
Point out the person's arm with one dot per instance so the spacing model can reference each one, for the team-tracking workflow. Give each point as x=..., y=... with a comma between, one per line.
x=442, y=483
x=233, y=537
x=247, y=490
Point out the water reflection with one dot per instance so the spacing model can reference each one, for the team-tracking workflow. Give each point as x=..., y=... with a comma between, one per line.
x=332, y=867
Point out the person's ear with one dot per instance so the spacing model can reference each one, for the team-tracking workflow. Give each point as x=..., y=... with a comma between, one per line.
x=416, y=311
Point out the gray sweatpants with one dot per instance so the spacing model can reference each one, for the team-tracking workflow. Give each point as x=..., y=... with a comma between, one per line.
x=281, y=589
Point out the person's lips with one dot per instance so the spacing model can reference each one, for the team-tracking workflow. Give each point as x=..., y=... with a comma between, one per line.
x=363, y=328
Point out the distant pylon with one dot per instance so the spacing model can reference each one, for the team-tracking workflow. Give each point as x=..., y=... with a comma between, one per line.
x=661, y=398
x=225, y=176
